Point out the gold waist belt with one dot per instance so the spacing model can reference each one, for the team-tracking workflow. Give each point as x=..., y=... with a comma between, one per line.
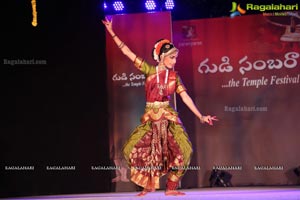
x=157, y=104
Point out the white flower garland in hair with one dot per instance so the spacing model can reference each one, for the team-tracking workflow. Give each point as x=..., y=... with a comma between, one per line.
x=155, y=56
x=158, y=45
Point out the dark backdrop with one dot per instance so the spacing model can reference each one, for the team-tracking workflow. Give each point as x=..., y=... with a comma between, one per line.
x=53, y=114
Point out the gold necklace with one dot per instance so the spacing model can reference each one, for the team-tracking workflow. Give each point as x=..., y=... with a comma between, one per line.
x=161, y=87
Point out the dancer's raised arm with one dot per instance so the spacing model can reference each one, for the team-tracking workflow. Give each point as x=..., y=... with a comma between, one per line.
x=122, y=46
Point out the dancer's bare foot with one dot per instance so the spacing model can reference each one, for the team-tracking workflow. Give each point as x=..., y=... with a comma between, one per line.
x=144, y=192
x=124, y=175
x=174, y=193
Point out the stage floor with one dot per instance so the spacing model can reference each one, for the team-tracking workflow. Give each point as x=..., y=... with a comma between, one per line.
x=232, y=193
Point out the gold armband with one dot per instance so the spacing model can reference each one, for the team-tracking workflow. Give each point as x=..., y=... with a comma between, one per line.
x=180, y=89
x=138, y=62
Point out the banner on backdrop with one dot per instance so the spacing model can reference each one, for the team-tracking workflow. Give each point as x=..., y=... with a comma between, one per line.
x=246, y=71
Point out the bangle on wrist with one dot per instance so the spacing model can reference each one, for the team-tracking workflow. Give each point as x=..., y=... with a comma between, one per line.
x=121, y=45
x=114, y=36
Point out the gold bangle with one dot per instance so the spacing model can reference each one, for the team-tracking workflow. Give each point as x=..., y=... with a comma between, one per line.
x=121, y=45
x=114, y=36
x=135, y=59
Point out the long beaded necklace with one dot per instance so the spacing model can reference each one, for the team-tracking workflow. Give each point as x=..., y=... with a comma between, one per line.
x=161, y=87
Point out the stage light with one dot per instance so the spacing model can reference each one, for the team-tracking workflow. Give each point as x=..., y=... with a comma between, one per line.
x=104, y=5
x=150, y=5
x=118, y=6
x=169, y=4
x=220, y=178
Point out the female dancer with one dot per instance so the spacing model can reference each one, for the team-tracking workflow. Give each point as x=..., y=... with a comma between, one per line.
x=160, y=144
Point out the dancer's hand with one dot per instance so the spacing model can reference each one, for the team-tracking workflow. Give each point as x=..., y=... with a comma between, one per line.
x=108, y=24
x=208, y=119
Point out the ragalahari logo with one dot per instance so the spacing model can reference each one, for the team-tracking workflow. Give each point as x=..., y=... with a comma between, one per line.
x=236, y=10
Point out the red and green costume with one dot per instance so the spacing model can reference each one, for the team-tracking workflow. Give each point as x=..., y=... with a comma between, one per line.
x=160, y=144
